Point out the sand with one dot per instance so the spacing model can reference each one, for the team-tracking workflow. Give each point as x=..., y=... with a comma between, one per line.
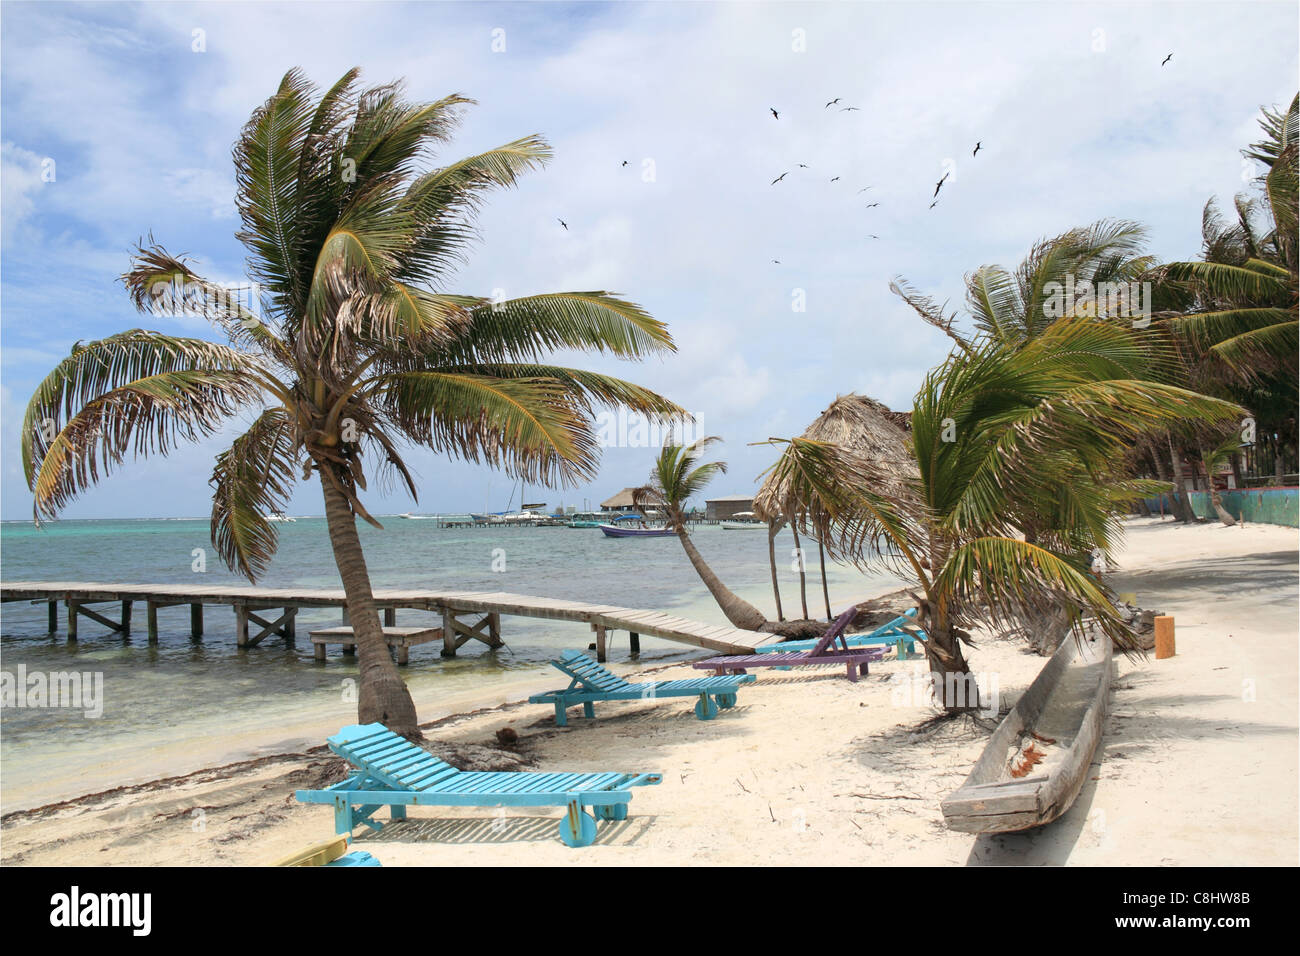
x=1198, y=764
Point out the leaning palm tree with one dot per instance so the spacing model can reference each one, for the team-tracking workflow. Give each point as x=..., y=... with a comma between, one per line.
x=349, y=349
x=1002, y=432
x=679, y=475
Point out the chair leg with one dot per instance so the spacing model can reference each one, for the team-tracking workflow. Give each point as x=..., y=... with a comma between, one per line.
x=589, y=709
x=397, y=811
x=342, y=816
x=561, y=718
x=853, y=672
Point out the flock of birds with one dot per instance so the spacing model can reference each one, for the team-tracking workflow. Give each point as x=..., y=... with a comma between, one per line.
x=776, y=115
x=979, y=144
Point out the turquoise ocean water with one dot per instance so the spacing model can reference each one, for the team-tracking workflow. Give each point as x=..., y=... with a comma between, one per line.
x=180, y=705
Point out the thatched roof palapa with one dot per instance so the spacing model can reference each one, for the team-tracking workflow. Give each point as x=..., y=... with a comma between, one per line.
x=623, y=500
x=866, y=431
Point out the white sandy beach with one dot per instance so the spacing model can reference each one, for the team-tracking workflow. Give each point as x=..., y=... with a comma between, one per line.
x=1198, y=764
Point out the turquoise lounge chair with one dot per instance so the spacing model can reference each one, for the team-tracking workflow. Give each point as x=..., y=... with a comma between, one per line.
x=591, y=683
x=889, y=633
x=395, y=773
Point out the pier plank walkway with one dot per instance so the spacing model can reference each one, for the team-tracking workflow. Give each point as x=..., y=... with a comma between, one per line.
x=453, y=605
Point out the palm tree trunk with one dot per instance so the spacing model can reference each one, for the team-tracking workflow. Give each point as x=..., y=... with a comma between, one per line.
x=772, y=528
x=738, y=611
x=821, y=556
x=955, y=686
x=1182, y=501
x=1235, y=460
x=803, y=574
x=1216, y=500
x=382, y=695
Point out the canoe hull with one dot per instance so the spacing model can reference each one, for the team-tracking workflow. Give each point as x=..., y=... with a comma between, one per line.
x=1072, y=691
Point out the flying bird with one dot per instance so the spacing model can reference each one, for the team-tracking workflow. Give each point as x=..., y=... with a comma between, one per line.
x=563, y=223
x=933, y=204
x=872, y=205
x=1167, y=59
x=832, y=102
x=873, y=237
x=865, y=188
x=978, y=147
x=777, y=261
x=848, y=109
x=775, y=114
x=779, y=178
x=803, y=165
x=625, y=162
x=834, y=178
x=939, y=184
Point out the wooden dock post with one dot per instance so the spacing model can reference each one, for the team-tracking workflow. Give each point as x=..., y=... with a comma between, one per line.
x=634, y=642
x=151, y=621
x=494, y=628
x=390, y=617
x=448, y=632
x=54, y=616
x=125, y=629
x=73, y=607
x=241, y=625
x=196, y=621
x=600, y=642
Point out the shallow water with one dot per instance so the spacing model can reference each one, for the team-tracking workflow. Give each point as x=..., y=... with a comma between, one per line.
x=179, y=705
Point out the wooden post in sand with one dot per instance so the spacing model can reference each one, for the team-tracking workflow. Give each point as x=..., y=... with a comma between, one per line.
x=1164, y=636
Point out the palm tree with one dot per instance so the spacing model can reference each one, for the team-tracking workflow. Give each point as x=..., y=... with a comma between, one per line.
x=349, y=350
x=1003, y=432
x=678, y=476
x=1012, y=307
x=1235, y=311
x=1244, y=307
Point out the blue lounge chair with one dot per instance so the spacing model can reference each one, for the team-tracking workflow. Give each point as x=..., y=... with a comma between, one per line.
x=395, y=773
x=889, y=633
x=591, y=682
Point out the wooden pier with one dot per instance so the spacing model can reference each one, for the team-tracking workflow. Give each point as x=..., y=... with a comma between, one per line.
x=466, y=615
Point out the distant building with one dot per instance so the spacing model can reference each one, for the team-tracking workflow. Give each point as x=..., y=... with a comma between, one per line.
x=622, y=501
x=719, y=509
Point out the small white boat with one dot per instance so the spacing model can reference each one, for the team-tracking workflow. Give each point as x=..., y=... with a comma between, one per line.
x=743, y=521
x=280, y=517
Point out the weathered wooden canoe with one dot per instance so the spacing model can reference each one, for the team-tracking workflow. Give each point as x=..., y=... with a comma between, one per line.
x=1060, y=717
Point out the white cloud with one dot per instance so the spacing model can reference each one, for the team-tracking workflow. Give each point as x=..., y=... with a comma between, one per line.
x=20, y=183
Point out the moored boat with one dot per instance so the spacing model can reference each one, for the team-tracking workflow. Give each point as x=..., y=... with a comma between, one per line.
x=614, y=531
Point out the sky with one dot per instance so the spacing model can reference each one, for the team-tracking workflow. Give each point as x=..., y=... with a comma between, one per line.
x=117, y=120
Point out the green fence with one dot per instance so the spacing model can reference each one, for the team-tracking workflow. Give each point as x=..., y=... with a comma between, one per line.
x=1262, y=505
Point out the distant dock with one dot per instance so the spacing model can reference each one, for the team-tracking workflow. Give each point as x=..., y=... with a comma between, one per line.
x=466, y=615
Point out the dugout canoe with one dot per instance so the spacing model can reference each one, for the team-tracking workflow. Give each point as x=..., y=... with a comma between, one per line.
x=1013, y=787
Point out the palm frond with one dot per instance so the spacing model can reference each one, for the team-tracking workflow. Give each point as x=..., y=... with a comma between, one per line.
x=147, y=416
x=252, y=479
x=524, y=328
x=531, y=428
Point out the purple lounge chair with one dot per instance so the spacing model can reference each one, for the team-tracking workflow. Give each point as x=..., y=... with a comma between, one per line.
x=854, y=658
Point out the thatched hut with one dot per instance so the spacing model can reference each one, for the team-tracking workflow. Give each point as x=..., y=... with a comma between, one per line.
x=867, y=431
